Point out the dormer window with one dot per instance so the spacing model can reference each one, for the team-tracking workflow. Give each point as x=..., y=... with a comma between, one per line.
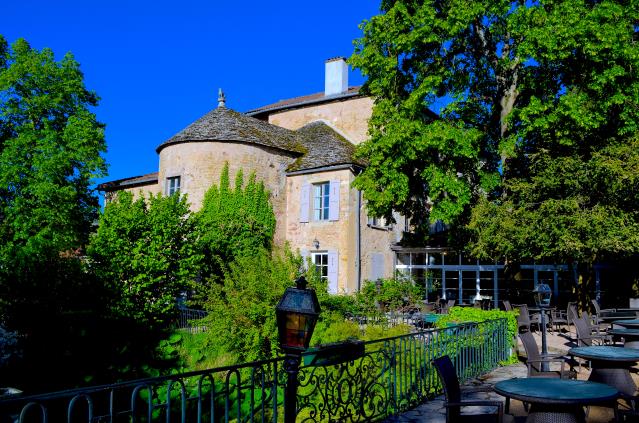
x=172, y=185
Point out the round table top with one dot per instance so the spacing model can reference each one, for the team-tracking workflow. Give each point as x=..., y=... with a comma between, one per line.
x=555, y=391
x=431, y=318
x=630, y=322
x=606, y=353
x=618, y=316
x=624, y=332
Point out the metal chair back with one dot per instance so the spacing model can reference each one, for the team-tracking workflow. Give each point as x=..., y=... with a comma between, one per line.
x=447, y=306
x=532, y=352
x=507, y=305
x=583, y=332
x=523, y=320
x=450, y=383
x=595, y=303
x=571, y=313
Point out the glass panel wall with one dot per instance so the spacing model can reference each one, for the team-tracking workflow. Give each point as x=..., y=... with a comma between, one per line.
x=440, y=271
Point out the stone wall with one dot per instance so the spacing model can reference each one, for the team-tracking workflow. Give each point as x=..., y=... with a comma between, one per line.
x=200, y=164
x=376, y=243
x=349, y=116
x=332, y=235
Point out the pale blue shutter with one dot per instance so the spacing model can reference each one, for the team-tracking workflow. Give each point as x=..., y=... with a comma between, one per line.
x=332, y=271
x=377, y=266
x=305, y=256
x=333, y=201
x=305, y=199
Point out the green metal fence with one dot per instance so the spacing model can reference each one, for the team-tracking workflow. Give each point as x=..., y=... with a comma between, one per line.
x=393, y=375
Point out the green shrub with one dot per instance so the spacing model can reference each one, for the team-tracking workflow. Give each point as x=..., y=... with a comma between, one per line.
x=458, y=315
x=389, y=294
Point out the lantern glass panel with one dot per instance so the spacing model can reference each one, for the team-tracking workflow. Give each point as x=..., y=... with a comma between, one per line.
x=542, y=294
x=296, y=329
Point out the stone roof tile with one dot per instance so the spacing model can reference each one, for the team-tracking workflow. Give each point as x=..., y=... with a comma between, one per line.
x=222, y=124
x=325, y=147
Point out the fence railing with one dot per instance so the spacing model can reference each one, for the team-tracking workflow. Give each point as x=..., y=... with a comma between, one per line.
x=388, y=319
x=189, y=319
x=393, y=375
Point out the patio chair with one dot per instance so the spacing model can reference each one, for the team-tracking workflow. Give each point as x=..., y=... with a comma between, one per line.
x=599, y=311
x=507, y=305
x=585, y=337
x=571, y=314
x=525, y=320
x=534, y=360
x=558, y=318
x=593, y=323
x=454, y=403
x=447, y=306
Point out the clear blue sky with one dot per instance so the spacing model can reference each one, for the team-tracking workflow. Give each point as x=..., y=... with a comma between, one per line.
x=157, y=65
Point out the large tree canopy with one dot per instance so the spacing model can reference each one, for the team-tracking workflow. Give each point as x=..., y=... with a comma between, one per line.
x=144, y=251
x=50, y=149
x=526, y=89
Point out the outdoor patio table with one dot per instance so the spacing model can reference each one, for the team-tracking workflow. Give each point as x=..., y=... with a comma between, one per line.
x=428, y=320
x=556, y=400
x=617, y=315
x=610, y=365
x=629, y=323
x=630, y=336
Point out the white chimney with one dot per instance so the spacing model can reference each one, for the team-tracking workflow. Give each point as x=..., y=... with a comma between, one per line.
x=336, y=76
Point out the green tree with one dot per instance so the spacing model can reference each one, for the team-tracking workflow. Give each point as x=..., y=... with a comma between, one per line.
x=144, y=251
x=241, y=309
x=512, y=80
x=537, y=131
x=50, y=150
x=234, y=221
x=579, y=207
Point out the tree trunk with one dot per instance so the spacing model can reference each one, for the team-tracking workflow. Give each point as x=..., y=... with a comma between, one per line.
x=584, y=284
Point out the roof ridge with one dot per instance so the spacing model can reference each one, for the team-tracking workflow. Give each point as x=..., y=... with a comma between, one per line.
x=317, y=97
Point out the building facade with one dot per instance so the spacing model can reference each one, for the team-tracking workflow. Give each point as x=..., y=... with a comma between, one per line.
x=303, y=151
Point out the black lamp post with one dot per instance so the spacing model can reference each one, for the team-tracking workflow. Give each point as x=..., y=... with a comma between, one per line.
x=296, y=314
x=543, y=294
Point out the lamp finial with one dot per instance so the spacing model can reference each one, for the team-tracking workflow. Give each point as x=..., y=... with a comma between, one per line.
x=221, y=98
x=301, y=282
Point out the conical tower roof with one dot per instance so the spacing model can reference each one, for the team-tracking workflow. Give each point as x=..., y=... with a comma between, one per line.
x=223, y=124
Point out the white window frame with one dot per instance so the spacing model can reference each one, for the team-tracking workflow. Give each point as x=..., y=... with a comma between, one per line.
x=171, y=185
x=322, y=267
x=321, y=201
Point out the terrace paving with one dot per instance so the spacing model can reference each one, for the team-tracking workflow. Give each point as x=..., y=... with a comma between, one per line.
x=558, y=343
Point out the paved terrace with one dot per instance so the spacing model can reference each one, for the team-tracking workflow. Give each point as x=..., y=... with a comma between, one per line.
x=433, y=411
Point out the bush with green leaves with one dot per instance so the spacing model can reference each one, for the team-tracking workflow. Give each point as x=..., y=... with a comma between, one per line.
x=459, y=315
x=234, y=221
x=389, y=294
x=144, y=252
x=241, y=307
